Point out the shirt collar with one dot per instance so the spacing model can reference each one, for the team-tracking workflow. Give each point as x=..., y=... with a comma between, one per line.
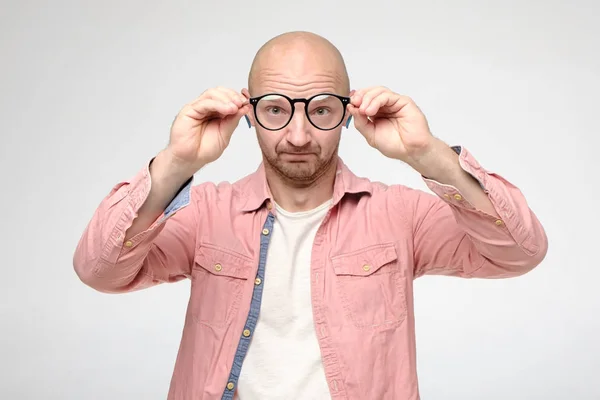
x=256, y=189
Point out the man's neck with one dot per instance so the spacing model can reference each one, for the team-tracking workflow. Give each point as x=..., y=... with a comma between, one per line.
x=294, y=197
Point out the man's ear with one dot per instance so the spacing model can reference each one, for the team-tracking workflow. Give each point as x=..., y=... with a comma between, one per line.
x=246, y=93
x=250, y=116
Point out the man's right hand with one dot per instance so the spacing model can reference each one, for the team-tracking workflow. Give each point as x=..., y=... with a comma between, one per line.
x=199, y=135
x=202, y=129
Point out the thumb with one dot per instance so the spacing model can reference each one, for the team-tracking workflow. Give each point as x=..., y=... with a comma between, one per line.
x=231, y=122
x=362, y=123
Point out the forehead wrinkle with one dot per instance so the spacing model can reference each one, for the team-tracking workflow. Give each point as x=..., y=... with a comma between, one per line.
x=292, y=91
x=324, y=82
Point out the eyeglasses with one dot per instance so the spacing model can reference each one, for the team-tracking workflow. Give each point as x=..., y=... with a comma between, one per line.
x=324, y=111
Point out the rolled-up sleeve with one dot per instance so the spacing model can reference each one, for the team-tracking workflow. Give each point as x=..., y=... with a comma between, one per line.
x=164, y=252
x=452, y=237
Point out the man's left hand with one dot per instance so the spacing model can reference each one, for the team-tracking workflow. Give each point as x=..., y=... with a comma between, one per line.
x=391, y=123
x=394, y=125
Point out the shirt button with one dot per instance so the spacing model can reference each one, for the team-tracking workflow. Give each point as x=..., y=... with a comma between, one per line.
x=265, y=231
x=458, y=197
x=499, y=222
x=218, y=267
x=257, y=281
x=230, y=386
x=128, y=243
x=269, y=205
x=366, y=268
x=246, y=332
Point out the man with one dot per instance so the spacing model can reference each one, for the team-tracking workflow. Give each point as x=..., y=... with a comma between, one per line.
x=301, y=273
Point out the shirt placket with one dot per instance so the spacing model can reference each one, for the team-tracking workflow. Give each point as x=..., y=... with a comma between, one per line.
x=252, y=317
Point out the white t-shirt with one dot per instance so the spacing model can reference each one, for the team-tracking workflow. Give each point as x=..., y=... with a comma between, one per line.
x=283, y=359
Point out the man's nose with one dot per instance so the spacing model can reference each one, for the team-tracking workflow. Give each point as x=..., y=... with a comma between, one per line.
x=299, y=128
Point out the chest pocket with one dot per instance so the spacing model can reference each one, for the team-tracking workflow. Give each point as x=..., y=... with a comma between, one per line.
x=371, y=286
x=218, y=279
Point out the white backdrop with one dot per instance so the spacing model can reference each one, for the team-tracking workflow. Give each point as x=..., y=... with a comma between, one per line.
x=89, y=90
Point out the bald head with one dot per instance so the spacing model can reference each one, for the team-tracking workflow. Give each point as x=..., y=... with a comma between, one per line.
x=299, y=55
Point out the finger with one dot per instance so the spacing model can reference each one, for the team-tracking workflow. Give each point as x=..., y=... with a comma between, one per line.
x=206, y=107
x=222, y=94
x=369, y=96
x=225, y=96
x=356, y=98
x=362, y=123
x=359, y=95
x=235, y=96
x=383, y=100
x=231, y=122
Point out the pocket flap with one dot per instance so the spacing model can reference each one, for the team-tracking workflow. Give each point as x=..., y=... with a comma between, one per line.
x=366, y=261
x=222, y=262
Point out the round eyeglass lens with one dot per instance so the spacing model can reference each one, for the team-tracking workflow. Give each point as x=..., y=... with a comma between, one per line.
x=324, y=111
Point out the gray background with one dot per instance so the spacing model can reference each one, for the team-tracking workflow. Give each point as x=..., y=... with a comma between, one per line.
x=89, y=90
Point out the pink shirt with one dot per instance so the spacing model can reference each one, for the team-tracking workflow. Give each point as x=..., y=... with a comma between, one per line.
x=375, y=240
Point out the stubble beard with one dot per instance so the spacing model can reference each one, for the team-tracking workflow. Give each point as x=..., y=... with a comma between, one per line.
x=301, y=173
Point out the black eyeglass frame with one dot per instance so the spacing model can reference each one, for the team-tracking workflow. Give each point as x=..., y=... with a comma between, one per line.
x=254, y=101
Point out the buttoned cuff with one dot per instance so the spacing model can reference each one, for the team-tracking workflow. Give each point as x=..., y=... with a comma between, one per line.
x=451, y=194
x=129, y=196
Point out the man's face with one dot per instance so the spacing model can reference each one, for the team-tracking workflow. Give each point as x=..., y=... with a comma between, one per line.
x=300, y=151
